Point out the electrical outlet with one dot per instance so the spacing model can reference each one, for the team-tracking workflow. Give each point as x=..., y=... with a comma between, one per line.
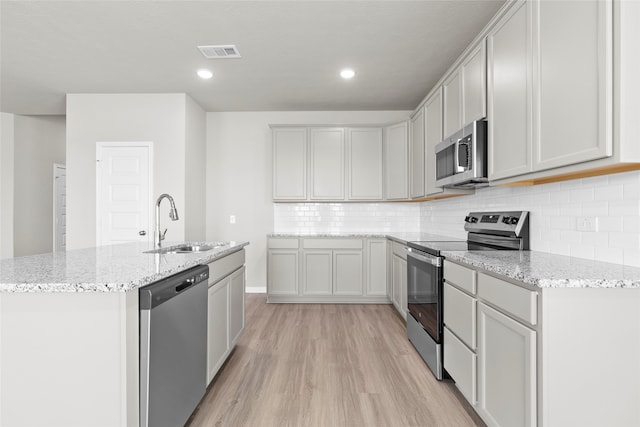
x=232, y=219
x=587, y=223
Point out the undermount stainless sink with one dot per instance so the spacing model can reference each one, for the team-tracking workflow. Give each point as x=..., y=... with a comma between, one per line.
x=187, y=248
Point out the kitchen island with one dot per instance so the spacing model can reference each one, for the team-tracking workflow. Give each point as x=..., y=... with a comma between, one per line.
x=69, y=332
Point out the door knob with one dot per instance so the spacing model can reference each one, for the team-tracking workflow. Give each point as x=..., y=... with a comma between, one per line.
x=142, y=233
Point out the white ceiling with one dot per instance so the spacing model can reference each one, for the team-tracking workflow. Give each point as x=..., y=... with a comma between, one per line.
x=291, y=51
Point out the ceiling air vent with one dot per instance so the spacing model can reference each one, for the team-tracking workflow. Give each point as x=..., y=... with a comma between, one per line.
x=220, y=52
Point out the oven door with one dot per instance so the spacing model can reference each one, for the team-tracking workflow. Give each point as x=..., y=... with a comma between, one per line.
x=424, y=291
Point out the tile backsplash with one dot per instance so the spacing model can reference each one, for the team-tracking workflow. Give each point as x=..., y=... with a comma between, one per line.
x=310, y=218
x=611, y=201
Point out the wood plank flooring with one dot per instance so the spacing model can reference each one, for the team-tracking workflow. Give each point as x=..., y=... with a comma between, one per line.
x=327, y=365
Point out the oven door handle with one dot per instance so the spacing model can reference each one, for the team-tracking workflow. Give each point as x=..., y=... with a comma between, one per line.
x=430, y=259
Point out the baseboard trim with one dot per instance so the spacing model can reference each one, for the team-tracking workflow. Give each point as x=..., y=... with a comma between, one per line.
x=256, y=290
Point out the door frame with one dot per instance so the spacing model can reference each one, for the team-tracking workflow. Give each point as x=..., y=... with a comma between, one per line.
x=122, y=144
x=56, y=167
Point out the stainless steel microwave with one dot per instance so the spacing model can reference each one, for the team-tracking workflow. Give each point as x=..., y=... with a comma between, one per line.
x=461, y=159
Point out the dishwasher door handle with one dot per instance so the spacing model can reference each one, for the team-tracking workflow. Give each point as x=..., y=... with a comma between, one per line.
x=184, y=285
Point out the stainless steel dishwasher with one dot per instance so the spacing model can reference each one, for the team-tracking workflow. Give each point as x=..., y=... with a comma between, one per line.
x=173, y=347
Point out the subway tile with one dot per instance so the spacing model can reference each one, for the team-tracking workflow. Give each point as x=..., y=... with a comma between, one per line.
x=571, y=209
x=624, y=240
x=597, y=239
x=610, y=223
x=631, y=257
x=558, y=197
x=611, y=192
x=631, y=224
x=570, y=236
x=597, y=208
x=624, y=207
x=614, y=255
x=583, y=251
x=579, y=195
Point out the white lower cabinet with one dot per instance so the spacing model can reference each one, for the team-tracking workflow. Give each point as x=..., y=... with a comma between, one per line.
x=317, y=268
x=225, y=313
x=460, y=338
x=489, y=350
x=348, y=268
x=332, y=267
x=506, y=370
x=282, y=266
x=461, y=363
x=218, y=327
x=399, y=279
x=376, y=268
x=328, y=270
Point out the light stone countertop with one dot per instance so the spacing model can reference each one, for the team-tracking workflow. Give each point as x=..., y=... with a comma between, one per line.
x=115, y=268
x=546, y=270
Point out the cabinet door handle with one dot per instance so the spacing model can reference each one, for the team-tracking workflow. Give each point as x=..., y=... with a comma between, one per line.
x=142, y=233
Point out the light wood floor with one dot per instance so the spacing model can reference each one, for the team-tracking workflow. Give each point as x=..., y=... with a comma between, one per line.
x=327, y=365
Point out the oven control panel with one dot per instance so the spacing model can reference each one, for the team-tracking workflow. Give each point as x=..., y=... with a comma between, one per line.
x=510, y=223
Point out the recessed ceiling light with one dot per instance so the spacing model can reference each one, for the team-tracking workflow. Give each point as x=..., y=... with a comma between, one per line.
x=347, y=73
x=205, y=74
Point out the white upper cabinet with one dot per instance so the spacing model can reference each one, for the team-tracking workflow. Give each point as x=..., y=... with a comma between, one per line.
x=416, y=154
x=327, y=148
x=396, y=162
x=432, y=136
x=334, y=163
x=465, y=91
x=474, y=85
x=574, y=83
x=289, y=163
x=365, y=163
x=452, y=94
x=550, y=69
x=509, y=100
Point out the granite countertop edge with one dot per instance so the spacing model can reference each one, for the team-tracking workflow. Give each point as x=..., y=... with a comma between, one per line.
x=17, y=275
x=546, y=270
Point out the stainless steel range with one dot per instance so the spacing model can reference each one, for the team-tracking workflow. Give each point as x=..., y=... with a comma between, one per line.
x=508, y=230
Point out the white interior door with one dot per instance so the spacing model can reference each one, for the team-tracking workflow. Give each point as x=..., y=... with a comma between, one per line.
x=59, y=208
x=123, y=178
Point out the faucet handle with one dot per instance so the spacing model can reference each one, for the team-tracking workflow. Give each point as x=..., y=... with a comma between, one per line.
x=162, y=234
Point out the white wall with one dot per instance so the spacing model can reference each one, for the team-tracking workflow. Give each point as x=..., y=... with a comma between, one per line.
x=6, y=184
x=92, y=118
x=195, y=172
x=239, y=174
x=39, y=143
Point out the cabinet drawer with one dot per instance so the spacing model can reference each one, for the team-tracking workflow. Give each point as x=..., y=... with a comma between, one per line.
x=224, y=266
x=511, y=298
x=460, y=314
x=332, y=243
x=460, y=363
x=282, y=243
x=462, y=277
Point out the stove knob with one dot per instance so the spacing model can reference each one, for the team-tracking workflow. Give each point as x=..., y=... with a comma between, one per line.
x=471, y=219
x=506, y=219
x=513, y=220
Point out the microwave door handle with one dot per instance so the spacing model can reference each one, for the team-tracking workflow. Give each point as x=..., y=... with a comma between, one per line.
x=457, y=156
